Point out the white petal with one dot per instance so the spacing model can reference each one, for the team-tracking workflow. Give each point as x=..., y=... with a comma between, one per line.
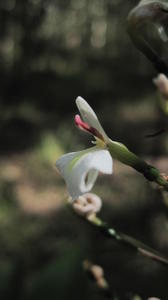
x=89, y=116
x=80, y=169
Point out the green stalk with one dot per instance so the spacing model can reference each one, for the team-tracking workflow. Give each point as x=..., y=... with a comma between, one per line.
x=128, y=241
x=120, y=152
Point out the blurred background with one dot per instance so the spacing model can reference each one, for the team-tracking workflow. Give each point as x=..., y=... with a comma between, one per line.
x=51, y=51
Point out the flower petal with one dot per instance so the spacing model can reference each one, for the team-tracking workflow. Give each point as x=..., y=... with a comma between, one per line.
x=80, y=169
x=89, y=116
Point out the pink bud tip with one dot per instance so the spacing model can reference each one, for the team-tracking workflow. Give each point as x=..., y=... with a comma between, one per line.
x=86, y=127
x=82, y=125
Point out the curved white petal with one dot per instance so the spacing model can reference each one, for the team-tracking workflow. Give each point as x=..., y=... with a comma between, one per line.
x=80, y=169
x=89, y=116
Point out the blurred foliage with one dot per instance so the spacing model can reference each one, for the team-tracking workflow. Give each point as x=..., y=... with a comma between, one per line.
x=51, y=51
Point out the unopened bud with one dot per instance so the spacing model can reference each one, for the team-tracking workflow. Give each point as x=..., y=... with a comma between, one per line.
x=87, y=205
x=102, y=283
x=162, y=84
x=86, y=127
x=97, y=273
x=154, y=298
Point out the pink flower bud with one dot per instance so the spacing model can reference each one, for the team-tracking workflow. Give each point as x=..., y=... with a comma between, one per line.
x=86, y=127
x=87, y=205
x=162, y=84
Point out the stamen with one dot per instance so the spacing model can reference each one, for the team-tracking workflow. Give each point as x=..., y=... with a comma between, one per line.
x=86, y=127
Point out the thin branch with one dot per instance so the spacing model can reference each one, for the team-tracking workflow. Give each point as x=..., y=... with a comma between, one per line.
x=127, y=240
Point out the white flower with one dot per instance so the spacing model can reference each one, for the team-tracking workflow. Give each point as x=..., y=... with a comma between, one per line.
x=80, y=169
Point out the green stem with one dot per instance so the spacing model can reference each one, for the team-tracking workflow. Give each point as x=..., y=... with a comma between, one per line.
x=128, y=241
x=120, y=152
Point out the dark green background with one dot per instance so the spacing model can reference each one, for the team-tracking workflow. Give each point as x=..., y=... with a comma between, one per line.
x=51, y=51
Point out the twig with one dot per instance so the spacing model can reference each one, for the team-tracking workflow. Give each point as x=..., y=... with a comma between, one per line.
x=128, y=241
